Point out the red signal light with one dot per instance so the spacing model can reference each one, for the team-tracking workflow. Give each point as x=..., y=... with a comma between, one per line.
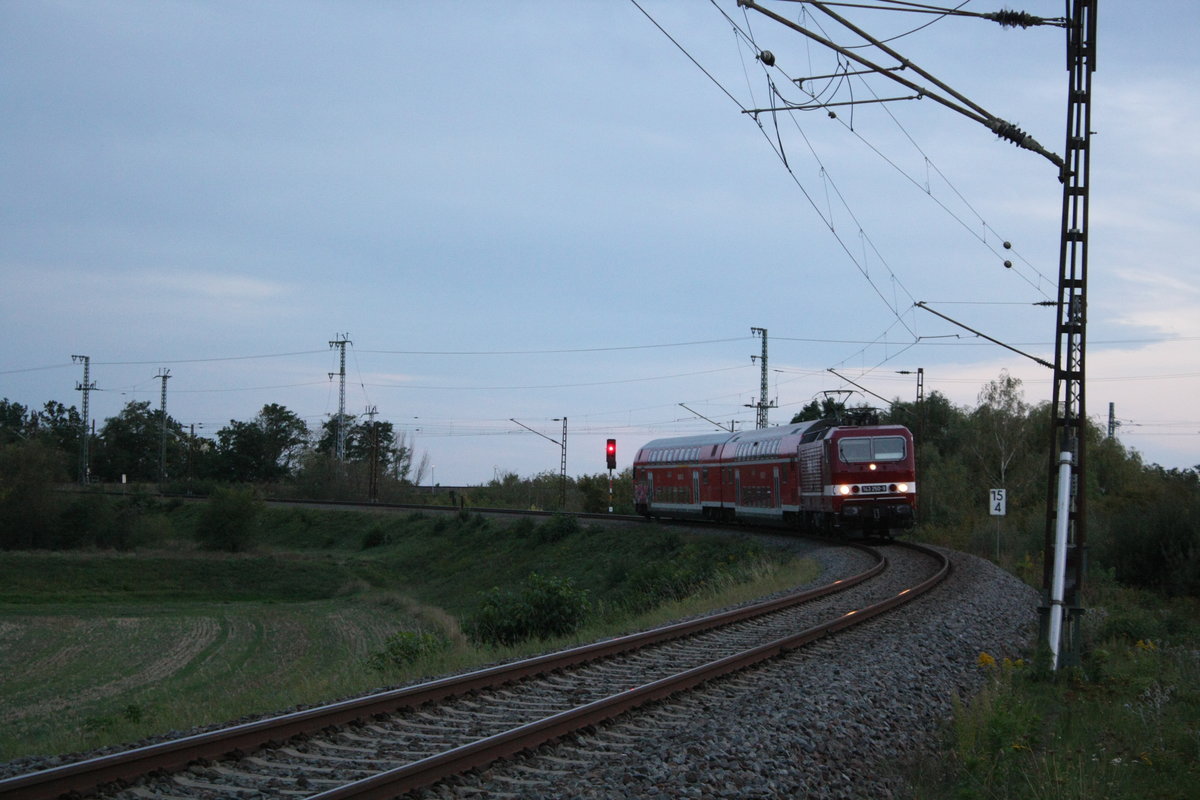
x=610, y=452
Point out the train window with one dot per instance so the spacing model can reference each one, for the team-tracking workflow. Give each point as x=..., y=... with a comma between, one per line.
x=856, y=450
x=888, y=448
x=860, y=449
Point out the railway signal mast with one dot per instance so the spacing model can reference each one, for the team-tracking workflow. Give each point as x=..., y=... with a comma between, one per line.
x=1065, y=540
x=610, y=459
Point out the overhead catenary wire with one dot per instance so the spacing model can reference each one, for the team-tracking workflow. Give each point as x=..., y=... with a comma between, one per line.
x=818, y=102
x=951, y=98
x=777, y=147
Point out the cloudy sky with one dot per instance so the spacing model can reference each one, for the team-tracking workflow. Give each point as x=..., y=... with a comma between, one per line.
x=532, y=210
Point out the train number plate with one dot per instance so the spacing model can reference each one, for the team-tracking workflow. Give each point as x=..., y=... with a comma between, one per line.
x=873, y=488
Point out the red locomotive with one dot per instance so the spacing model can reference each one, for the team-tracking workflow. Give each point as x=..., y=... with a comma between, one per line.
x=822, y=476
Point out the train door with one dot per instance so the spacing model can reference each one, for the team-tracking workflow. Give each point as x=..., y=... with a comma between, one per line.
x=650, y=488
x=696, y=487
x=777, y=497
x=737, y=487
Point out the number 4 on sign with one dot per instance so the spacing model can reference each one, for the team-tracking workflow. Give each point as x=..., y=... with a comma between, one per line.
x=997, y=502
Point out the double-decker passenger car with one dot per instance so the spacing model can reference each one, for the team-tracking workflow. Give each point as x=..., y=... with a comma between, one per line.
x=820, y=476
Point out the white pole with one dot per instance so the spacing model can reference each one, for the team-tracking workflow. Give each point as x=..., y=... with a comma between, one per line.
x=1060, y=555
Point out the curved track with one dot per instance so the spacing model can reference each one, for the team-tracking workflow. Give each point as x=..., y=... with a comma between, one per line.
x=385, y=744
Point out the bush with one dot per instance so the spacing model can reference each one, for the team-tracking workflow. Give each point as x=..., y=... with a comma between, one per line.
x=557, y=528
x=228, y=520
x=523, y=528
x=28, y=507
x=1156, y=545
x=544, y=607
x=374, y=537
x=405, y=648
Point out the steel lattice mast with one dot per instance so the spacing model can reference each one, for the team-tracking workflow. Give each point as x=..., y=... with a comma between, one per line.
x=762, y=407
x=339, y=443
x=87, y=387
x=1065, y=541
x=163, y=375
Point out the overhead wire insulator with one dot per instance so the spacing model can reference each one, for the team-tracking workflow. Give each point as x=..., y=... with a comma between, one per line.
x=1012, y=133
x=1014, y=19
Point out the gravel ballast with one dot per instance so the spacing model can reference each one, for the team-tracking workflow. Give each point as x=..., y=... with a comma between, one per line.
x=834, y=721
x=838, y=719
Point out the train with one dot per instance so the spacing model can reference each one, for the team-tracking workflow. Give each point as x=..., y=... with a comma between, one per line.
x=821, y=476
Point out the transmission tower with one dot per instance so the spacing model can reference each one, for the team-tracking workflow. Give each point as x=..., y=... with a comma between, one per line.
x=762, y=406
x=163, y=374
x=86, y=387
x=339, y=429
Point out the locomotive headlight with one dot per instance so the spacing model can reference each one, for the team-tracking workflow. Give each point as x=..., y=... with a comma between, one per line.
x=902, y=488
x=843, y=489
x=872, y=468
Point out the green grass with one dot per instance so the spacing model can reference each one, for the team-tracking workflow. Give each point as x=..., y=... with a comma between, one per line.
x=1125, y=725
x=72, y=578
x=121, y=671
x=104, y=647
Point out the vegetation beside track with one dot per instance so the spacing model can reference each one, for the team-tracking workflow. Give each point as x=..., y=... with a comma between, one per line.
x=1122, y=725
x=1125, y=725
x=102, y=647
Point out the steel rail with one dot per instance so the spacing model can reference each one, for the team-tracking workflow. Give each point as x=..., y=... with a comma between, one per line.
x=422, y=773
x=89, y=774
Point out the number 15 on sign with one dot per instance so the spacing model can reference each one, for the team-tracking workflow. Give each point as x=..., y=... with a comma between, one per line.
x=997, y=502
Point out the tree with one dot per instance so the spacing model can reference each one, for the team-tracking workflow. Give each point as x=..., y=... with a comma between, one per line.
x=12, y=422
x=827, y=408
x=129, y=444
x=396, y=453
x=266, y=448
x=1001, y=428
x=58, y=426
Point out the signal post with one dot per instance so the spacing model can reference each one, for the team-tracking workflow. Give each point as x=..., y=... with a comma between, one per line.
x=610, y=455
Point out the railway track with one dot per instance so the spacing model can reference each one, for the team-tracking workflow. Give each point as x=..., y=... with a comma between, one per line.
x=390, y=743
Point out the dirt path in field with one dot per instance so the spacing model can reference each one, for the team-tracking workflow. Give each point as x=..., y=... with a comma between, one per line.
x=188, y=641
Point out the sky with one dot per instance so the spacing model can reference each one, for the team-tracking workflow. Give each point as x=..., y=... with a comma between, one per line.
x=523, y=212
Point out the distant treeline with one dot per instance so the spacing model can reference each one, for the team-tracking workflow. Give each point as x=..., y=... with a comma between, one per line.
x=1143, y=522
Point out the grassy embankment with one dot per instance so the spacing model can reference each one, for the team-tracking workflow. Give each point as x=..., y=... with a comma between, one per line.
x=104, y=647
x=1124, y=725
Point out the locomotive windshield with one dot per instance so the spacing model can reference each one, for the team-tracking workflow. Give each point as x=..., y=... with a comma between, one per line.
x=860, y=449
